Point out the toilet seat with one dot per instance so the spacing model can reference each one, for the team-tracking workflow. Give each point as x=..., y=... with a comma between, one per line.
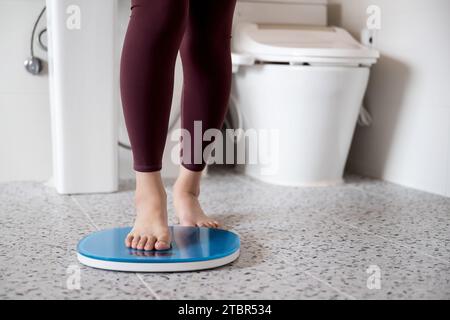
x=294, y=44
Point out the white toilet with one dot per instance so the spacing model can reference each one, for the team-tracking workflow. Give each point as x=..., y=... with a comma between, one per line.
x=299, y=85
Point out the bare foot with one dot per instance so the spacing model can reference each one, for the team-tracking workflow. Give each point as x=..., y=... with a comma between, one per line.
x=150, y=229
x=187, y=206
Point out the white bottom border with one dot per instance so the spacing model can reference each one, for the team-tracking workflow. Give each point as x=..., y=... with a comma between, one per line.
x=157, y=267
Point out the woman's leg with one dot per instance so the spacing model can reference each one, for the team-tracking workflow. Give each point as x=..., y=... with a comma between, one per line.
x=206, y=56
x=152, y=41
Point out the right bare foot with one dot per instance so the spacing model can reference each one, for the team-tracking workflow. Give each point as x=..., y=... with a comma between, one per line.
x=185, y=196
x=150, y=229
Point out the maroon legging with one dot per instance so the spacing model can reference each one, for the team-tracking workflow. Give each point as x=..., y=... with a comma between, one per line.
x=201, y=30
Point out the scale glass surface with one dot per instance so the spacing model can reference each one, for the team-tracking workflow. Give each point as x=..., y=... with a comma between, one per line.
x=192, y=248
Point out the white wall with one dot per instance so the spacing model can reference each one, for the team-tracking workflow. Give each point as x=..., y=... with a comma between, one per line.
x=408, y=96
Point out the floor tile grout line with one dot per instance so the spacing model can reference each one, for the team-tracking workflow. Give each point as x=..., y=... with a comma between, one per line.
x=149, y=288
x=348, y=296
x=378, y=194
x=147, y=285
x=394, y=242
x=304, y=271
x=318, y=279
x=397, y=243
x=411, y=190
x=87, y=216
x=91, y=221
x=338, y=221
x=255, y=184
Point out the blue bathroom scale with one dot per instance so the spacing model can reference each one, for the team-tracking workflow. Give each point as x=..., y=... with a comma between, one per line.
x=192, y=248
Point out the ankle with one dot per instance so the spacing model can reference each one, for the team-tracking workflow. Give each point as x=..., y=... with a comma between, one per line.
x=153, y=196
x=184, y=189
x=188, y=183
x=149, y=187
x=151, y=207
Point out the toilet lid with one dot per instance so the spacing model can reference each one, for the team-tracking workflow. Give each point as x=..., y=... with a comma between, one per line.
x=299, y=44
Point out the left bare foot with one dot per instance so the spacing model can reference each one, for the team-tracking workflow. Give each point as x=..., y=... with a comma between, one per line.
x=187, y=207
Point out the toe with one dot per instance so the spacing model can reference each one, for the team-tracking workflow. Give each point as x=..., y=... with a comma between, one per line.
x=162, y=243
x=150, y=245
x=135, y=242
x=129, y=240
x=208, y=224
x=142, y=243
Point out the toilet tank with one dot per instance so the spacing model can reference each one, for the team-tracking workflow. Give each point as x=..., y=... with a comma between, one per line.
x=301, y=12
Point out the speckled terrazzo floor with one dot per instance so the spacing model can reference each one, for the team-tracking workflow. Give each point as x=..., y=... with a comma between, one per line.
x=297, y=243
